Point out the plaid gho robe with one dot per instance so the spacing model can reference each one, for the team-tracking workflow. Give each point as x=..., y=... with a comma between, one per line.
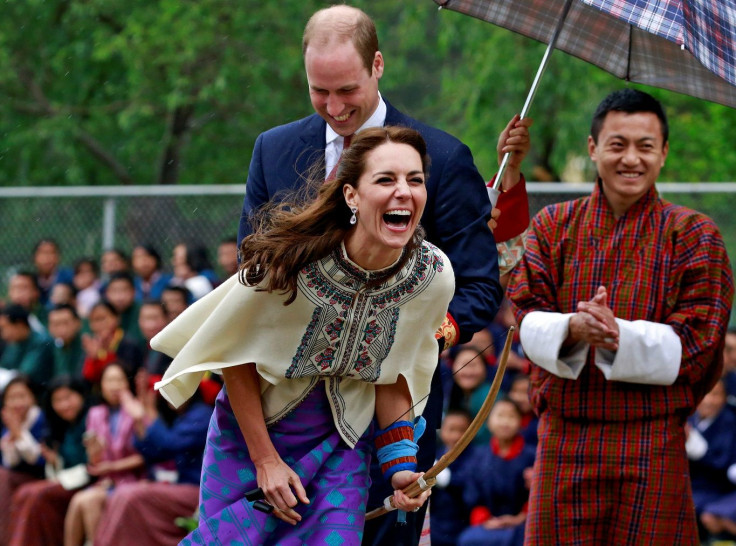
x=611, y=465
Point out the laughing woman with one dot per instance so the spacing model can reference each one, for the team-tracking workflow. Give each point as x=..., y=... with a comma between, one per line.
x=330, y=322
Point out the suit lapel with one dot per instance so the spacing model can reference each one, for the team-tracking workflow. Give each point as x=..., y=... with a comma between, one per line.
x=312, y=144
x=393, y=116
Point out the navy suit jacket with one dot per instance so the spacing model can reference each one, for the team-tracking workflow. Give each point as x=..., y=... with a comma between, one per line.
x=455, y=217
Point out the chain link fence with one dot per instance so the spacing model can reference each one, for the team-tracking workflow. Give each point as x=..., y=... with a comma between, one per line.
x=86, y=220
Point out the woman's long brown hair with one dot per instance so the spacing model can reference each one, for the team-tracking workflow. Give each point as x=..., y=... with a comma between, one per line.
x=299, y=230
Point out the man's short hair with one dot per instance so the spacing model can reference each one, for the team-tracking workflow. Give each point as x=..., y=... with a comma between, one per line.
x=184, y=292
x=65, y=307
x=30, y=276
x=630, y=101
x=87, y=261
x=347, y=23
x=16, y=314
x=122, y=276
x=151, y=251
x=44, y=241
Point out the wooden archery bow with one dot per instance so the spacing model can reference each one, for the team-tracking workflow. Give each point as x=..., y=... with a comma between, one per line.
x=429, y=479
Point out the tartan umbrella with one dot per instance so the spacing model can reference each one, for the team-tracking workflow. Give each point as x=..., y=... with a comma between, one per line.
x=688, y=46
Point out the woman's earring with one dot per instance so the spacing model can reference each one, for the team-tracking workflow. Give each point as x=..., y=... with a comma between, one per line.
x=353, y=218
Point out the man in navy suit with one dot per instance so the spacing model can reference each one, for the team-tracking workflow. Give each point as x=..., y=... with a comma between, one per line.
x=343, y=66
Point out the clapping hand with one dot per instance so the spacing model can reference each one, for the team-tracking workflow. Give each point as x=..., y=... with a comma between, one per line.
x=13, y=422
x=595, y=322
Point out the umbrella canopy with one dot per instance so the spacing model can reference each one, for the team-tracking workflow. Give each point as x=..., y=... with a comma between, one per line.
x=684, y=46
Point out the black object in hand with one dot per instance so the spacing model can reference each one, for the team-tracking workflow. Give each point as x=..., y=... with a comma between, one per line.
x=254, y=495
x=263, y=506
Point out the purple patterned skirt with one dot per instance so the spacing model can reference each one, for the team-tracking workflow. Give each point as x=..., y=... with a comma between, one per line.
x=335, y=477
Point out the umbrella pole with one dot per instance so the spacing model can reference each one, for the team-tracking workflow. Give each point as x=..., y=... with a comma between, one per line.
x=495, y=190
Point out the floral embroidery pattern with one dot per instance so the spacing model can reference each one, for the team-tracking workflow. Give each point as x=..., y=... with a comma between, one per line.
x=366, y=318
x=371, y=331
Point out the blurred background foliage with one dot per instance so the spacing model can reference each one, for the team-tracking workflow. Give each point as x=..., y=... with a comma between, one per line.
x=106, y=92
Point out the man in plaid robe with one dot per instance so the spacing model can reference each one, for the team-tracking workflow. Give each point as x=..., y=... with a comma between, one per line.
x=623, y=300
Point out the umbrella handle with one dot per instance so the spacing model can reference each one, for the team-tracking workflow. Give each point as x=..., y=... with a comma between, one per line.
x=531, y=94
x=493, y=193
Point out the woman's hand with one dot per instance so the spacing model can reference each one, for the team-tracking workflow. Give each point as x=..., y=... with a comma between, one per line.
x=402, y=479
x=91, y=345
x=94, y=447
x=101, y=469
x=132, y=406
x=49, y=454
x=505, y=521
x=13, y=423
x=282, y=487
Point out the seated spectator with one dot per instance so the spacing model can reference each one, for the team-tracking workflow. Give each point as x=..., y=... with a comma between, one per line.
x=107, y=344
x=718, y=517
x=162, y=435
x=39, y=507
x=710, y=446
x=504, y=319
x=485, y=339
x=23, y=290
x=227, y=258
x=28, y=352
x=449, y=514
x=87, y=283
x=729, y=367
x=151, y=320
x=192, y=269
x=113, y=261
x=65, y=328
x=111, y=455
x=120, y=292
x=519, y=393
x=175, y=299
x=150, y=281
x=46, y=258
x=22, y=433
x=62, y=293
x=470, y=385
x=498, y=490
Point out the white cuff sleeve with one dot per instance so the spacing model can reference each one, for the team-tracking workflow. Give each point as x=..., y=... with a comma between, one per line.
x=28, y=448
x=731, y=473
x=444, y=478
x=9, y=453
x=542, y=335
x=696, y=446
x=648, y=353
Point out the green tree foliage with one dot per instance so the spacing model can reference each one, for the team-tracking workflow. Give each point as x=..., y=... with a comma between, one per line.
x=168, y=91
x=487, y=72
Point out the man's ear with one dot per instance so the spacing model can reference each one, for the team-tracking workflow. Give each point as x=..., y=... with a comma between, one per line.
x=592, y=148
x=378, y=65
x=665, y=151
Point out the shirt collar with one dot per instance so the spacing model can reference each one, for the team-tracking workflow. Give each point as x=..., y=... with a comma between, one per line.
x=377, y=119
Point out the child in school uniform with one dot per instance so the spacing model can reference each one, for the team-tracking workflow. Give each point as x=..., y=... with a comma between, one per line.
x=498, y=489
x=449, y=514
x=718, y=517
x=519, y=393
x=710, y=446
